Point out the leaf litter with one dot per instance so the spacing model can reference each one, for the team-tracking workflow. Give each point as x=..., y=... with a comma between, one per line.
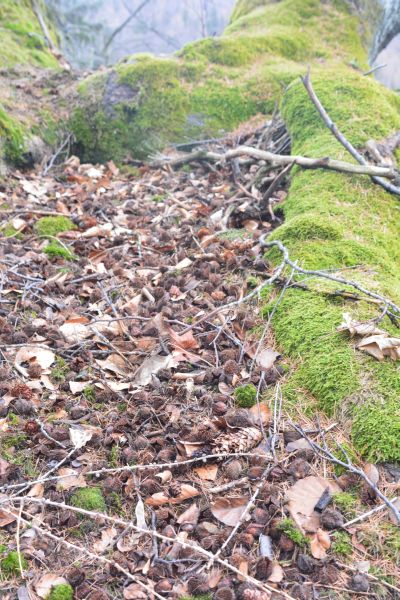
x=106, y=371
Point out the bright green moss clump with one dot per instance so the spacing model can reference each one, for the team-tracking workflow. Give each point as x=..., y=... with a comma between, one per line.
x=10, y=565
x=90, y=498
x=55, y=250
x=64, y=591
x=342, y=544
x=246, y=395
x=288, y=527
x=12, y=138
x=376, y=430
x=51, y=226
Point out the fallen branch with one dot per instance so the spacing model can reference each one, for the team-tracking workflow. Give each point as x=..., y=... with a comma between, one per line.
x=342, y=139
x=367, y=514
x=330, y=164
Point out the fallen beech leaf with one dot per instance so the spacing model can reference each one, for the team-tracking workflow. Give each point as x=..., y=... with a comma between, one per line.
x=207, y=472
x=380, y=346
x=4, y=465
x=229, y=510
x=214, y=578
x=164, y=476
x=47, y=582
x=29, y=354
x=6, y=518
x=243, y=567
x=189, y=448
x=372, y=473
x=266, y=358
x=140, y=514
x=103, y=230
x=107, y=537
x=263, y=411
x=303, y=496
x=320, y=543
x=77, y=387
x=277, y=573
x=80, y=436
x=36, y=491
x=133, y=592
x=183, y=264
x=187, y=491
x=115, y=364
x=75, y=332
x=186, y=341
x=151, y=366
x=358, y=328
x=73, y=480
x=190, y=516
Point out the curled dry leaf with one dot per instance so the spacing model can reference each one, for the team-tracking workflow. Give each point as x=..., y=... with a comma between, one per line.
x=70, y=480
x=207, y=472
x=357, y=328
x=107, y=538
x=140, y=514
x=77, y=387
x=44, y=585
x=380, y=346
x=303, y=496
x=29, y=354
x=80, y=436
x=6, y=518
x=372, y=473
x=159, y=499
x=190, y=516
x=277, y=573
x=36, y=491
x=229, y=510
x=263, y=411
x=75, y=330
x=320, y=543
x=164, y=476
x=186, y=341
x=115, y=364
x=151, y=366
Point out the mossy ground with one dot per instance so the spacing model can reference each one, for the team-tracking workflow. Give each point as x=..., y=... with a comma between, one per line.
x=64, y=591
x=90, y=498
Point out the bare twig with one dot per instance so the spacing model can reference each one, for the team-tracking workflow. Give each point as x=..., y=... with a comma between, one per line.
x=330, y=164
x=343, y=140
x=368, y=514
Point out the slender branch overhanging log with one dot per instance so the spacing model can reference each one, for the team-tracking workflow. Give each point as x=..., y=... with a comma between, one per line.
x=330, y=164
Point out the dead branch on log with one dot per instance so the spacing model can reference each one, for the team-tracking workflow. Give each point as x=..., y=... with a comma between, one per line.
x=279, y=159
x=342, y=139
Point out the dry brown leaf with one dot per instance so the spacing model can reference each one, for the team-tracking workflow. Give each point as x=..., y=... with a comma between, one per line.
x=358, y=328
x=75, y=331
x=44, y=585
x=140, y=514
x=190, y=516
x=320, y=543
x=165, y=476
x=303, y=496
x=261, y=410
x=214, y=578
x=380, y=346
x=77, y=387
x=372, y=473
x=73, y=479
x=29, y=354
x=243, y=567
x=186, y=341
x=134, y=592
x=266, y=358
x=6, y=518
x=277, y=573
x=229, y=510
x=80, y=435
x=151, y=366
x=107, y=537
x=159, y=499
x=115, y=364
x=207, y=472
x=36, y=491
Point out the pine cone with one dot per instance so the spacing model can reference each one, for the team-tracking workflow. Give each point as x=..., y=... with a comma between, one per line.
x=242, y=440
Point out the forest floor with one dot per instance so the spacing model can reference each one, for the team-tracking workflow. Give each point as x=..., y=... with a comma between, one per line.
x=145, y=448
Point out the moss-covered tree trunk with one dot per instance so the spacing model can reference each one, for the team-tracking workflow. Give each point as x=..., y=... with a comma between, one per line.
x=332, y=221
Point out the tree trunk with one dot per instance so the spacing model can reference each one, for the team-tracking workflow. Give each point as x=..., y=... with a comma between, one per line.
x=332, y=221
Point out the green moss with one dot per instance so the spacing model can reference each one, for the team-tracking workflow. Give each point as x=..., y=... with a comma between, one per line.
x=60, y=369
x=51, y=226
x=341, y=544
x=22, y=40
x=14, y=441
x=246, y=395
x=64, y=591
x=346, y=503
x=12, y=138
x=197, y=597
x=9, y=231
x=376, y=430
x=10, y=565
x=89, y=393
x=90, y=498
x=288, y=527
x=56, y=250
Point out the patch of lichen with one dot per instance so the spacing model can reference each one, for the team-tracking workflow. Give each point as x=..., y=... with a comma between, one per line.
x=22, y=41
x=334, y=221
x=211, y=85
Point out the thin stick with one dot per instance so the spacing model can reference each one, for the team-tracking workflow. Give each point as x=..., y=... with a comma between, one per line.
x=17, y=535
x=330, y=164
x=99, y=472
x=367, y=514
x=342, y=139
x=373, y=577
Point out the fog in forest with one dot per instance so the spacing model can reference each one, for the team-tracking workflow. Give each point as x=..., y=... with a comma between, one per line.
x=96, y=32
